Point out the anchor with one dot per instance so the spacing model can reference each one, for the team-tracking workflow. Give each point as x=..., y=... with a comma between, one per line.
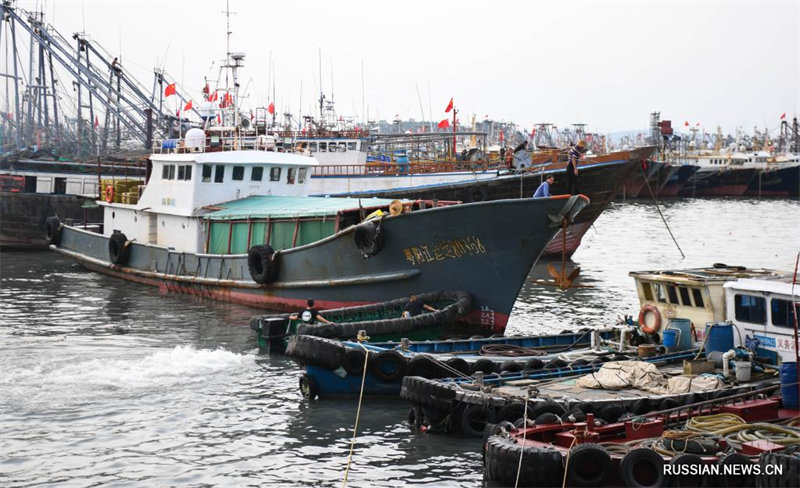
x=560, y=277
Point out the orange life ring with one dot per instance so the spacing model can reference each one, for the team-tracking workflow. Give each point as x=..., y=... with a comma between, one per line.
x=109, y=194
x=657, y=316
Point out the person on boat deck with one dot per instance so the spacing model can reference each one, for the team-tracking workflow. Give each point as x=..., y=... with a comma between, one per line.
x=576, y=153
x=544, y=189
x=414, y=307
x=310, y=314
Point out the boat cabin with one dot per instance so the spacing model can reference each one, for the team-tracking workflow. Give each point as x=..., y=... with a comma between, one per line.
x=764, y=311
x=191, y=174
x=695, y=294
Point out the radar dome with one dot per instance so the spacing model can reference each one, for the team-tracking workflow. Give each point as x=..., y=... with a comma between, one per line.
x=195, y=138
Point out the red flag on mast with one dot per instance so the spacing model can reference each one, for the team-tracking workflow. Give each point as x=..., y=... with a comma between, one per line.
x=96, y=122
x=188, y=106
x=783, y=116
x=170, y=90
x=449, y=106
x=271, y=108
x=444, y=124
x=686, y=124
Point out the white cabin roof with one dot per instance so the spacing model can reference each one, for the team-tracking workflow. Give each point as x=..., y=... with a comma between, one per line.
x=781, y=286
x=237, y=157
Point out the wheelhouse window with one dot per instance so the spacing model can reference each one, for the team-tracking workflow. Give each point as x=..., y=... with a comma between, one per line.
x=312, y=146
x=750, y=308
x=698, y=298
x=290, y=176
x=188, y=174
x=181, y=172
x=171, y=171
x=673, y=294
x=323, y=146
x=301, y=175
x=206, y=173
x=238, y=173
x=257, y=173
x=648, y=292
x=165, y=172
x=275, y=174
x=684, y=292
x=332, y=147
x=219, y=173
x=782, y=315
x=660, y=294
x=351, y=146
x=342, y=147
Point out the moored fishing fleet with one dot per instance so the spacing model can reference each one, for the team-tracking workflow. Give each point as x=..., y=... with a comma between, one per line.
x=388, y=265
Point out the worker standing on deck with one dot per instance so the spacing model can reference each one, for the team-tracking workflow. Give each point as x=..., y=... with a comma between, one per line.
x=544, y=189
x=310, y=314
x=576, y=154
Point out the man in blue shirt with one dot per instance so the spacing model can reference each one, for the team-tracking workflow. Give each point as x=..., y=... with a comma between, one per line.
x=544, y=189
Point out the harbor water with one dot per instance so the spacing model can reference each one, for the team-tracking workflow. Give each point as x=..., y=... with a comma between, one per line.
x=104, y=382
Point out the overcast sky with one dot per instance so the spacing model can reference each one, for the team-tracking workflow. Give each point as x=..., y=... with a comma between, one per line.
x=607, y=64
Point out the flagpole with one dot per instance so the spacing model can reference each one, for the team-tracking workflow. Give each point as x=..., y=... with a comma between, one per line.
x=454, y=132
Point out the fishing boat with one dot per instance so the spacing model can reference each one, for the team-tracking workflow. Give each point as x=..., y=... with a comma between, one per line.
x=615, y=388
x=34, y=189
x=335, y=368
x=381, y=321
x=724, y=306
x=743, y=440
x=600, y=180
x=720, y=174
x=224, y=218
x=677, y=179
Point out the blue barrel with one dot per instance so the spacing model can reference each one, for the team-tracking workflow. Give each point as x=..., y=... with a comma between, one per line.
x=685, y=326
x=789, y=385
x=719, y=337
x=669, y=338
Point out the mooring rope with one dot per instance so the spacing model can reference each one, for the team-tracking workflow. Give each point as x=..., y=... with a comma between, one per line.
x=358, y=415
x=524, y=433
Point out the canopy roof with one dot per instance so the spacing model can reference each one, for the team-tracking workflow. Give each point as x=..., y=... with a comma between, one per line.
x=263, y=206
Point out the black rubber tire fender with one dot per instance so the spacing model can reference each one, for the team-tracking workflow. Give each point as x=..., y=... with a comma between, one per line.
x=689, y=479
x=118, y=249
x=317, y=351
x=423, y=365
x=611, y=412
x=511, y=365
x=415, y=418
x=369, y=238
x=546, y=418
x=388, y=366
x=308, y=387
x=460, y=365
x=52, y=230
x=642, y=468
x=731, y=481
x=589, y=465
x=354, y=360
x=475, y=418
x=547, y=406
x=534, y=364
x=484, y=365
x=540, y=467
x=262, y=264
x=513, y=412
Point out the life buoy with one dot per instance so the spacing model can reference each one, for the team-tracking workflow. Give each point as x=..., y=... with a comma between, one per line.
x=109, y=194
x=650, y=329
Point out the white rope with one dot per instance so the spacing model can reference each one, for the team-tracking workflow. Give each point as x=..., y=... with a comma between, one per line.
x=358, y=415
x=524, y=433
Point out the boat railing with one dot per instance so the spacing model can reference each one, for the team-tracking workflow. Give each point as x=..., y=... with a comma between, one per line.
x=218, y=143
x=400, y=169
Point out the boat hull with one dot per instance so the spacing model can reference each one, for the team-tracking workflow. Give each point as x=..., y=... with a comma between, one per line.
x=483, y=249
x=776, y=182
x=23, y=216
x=719, y=183
x=599, y=180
